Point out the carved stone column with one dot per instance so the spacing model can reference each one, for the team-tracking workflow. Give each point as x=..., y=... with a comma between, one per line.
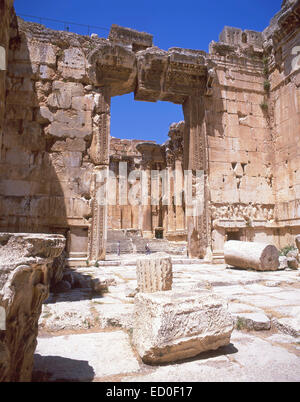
x=5, y=19
x=146, y=207
x=179, y=185
x=196, y=159
x=98, y=229
x=151, y=157
x=99, y=153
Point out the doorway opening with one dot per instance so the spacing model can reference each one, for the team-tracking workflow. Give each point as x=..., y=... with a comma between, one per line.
x=234, y=235
x=146, y=140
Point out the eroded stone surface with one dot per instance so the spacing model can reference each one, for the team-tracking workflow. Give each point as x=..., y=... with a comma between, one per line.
x=154, y=273
x=25, y=273
x=171, y=326
x=247, y=255
x=84, y=357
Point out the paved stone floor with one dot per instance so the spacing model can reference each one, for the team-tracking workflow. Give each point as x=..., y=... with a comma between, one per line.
x=86, y=336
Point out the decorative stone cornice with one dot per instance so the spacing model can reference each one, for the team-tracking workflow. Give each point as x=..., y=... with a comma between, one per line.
x=284, y=23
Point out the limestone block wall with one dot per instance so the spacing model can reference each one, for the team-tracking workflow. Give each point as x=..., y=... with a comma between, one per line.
x=285, y=107
x=239, y=140
x=50, y=117
x=6, y=16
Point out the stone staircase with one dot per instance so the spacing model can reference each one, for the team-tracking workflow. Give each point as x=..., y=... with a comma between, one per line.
x=132, y=242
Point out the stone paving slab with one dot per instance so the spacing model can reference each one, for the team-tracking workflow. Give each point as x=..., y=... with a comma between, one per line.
x=83, y=357
x=255, y=298
x=247, y=358
x=275, y=302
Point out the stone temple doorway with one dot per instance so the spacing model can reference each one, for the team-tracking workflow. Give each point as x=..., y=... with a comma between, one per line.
x=128, y=62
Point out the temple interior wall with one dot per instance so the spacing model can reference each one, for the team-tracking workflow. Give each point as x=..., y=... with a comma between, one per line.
x=285, y=98
x=45, y=168
x=241, y=150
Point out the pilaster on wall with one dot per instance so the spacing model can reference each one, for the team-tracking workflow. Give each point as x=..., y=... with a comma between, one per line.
x=195, y=160
x=6, y=13
x=99, y=153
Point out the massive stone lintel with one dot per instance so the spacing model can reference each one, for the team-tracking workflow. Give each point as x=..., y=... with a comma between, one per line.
x=170, y=76
x=25, y=274
x=113, y=66
x=284, y=23
x=153, y=74
x=134, y=39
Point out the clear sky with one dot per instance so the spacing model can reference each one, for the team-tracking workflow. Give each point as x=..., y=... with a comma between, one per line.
x=186, y=23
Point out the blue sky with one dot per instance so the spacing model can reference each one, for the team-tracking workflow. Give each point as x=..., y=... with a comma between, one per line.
x=189, y=24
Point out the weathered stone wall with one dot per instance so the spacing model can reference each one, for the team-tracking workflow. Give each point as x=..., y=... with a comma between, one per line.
x=26, y=270
x=6, y=16
x=284, y=110
x=45, y=168
x=241, y=152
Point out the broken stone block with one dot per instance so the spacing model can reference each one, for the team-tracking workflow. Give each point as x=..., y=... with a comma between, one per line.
x=68, y=277
x=258, y=256
x=289, y=325
x=253, y=321
x=293, y=254
x=95, y=284
x=25, y=273
x=154, y=273
x=297, y=240
x=292, y=263
x=171, y=326
x=62, y=286
x=283, y=264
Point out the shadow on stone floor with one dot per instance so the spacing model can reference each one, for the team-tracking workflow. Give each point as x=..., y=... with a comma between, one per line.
x=84, y=287
x=222, y=351
x=66, y=370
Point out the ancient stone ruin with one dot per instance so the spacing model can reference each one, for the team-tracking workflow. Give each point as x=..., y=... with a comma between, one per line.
x=238, y=130
x=26, y=269
x=174, y=326
x=58, y=162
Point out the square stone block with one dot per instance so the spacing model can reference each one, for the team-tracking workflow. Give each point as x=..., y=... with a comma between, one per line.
x=171, y=326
